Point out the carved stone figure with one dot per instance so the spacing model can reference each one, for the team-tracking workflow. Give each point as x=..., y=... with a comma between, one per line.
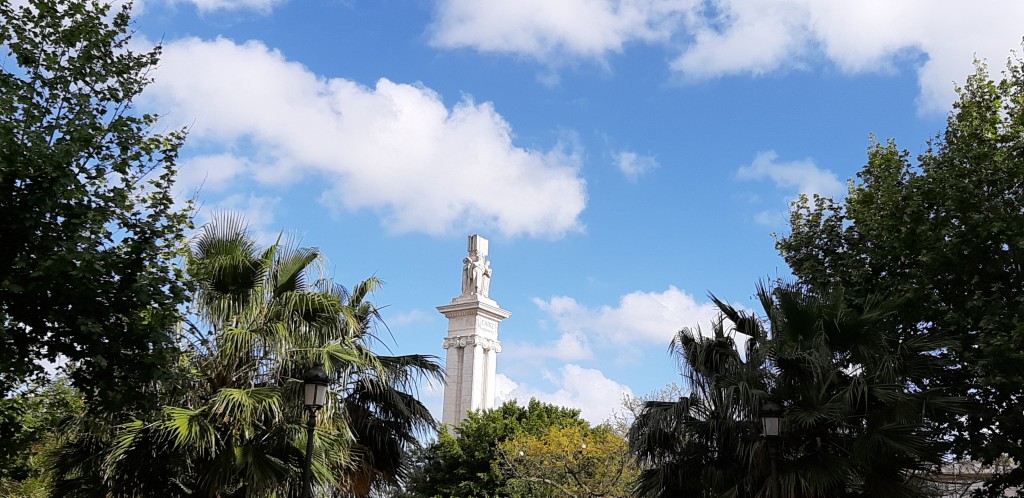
x=476, y=270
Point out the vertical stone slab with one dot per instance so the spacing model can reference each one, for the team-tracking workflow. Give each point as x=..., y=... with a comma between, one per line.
x=472, y=342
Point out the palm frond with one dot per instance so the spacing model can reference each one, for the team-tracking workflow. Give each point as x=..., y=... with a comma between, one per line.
x=187, y=429
x=248, y=407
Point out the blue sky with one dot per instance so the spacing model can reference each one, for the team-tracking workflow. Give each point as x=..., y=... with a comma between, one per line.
x=623, y=157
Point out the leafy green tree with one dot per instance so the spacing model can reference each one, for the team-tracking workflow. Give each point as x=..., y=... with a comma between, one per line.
x=468, y=464
x=234, y=423
x=568, y=462
x=30, y=422
x=947, y=232
x=90, y=230
x=854, y=423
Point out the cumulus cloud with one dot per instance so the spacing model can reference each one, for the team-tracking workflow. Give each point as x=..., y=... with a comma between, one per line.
x=802, y=175
x=633, y=165
x=755, y=37
x=646, y=317
x=548, y=30
x=596, y=396
x=744, y=36
x=571, y=345
x=721, y=37
x=394, y=148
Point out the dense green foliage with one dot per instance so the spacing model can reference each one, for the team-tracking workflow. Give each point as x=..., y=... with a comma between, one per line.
x=468, y=463
x=854, y=405
x=30, y=423
x=89, y=228
x=947, y=231
x=233, y=422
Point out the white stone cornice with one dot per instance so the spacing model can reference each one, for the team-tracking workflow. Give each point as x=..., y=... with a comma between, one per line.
x=477, y=307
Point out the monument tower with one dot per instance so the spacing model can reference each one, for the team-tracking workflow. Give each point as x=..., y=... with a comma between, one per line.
x=472, y=340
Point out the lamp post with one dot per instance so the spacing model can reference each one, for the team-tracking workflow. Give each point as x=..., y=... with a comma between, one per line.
x=315, y=390
x=771, y=412
x=771, y=415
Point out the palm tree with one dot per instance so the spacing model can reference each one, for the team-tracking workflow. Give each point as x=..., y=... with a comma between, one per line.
x=856, y=404
x=233, y=420
x=695, y=447
x=386, y=421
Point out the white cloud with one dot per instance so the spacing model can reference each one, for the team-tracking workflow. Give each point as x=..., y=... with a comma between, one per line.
x=261, y=6
x=571, y=345
x=871, y=35
x=588, y=389
x=503, y=388
x=115, y=6
x=804, y=176
x=258, y=211
x=646, y=317
x=549, y=30
x=394, y=148
x=757, y=38
x=211, y=172
x=407, y=318
x=771, y=218
x=721, y=37
x=634, y=165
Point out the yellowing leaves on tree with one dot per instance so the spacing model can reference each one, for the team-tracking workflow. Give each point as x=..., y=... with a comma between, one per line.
x=569, y=462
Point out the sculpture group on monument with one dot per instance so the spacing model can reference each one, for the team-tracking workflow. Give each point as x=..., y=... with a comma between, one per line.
x=476, y=270
x=472, y=342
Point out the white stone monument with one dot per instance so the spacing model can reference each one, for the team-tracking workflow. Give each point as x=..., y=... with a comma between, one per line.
x=472, y=340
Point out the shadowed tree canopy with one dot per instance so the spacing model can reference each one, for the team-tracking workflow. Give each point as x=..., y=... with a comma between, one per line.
x=947, y=231
x=89, y=231
x=854, y=421
x=31, y=422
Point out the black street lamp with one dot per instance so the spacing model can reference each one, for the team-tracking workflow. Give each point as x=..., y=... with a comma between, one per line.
x=771, y=415
x=315, y=389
